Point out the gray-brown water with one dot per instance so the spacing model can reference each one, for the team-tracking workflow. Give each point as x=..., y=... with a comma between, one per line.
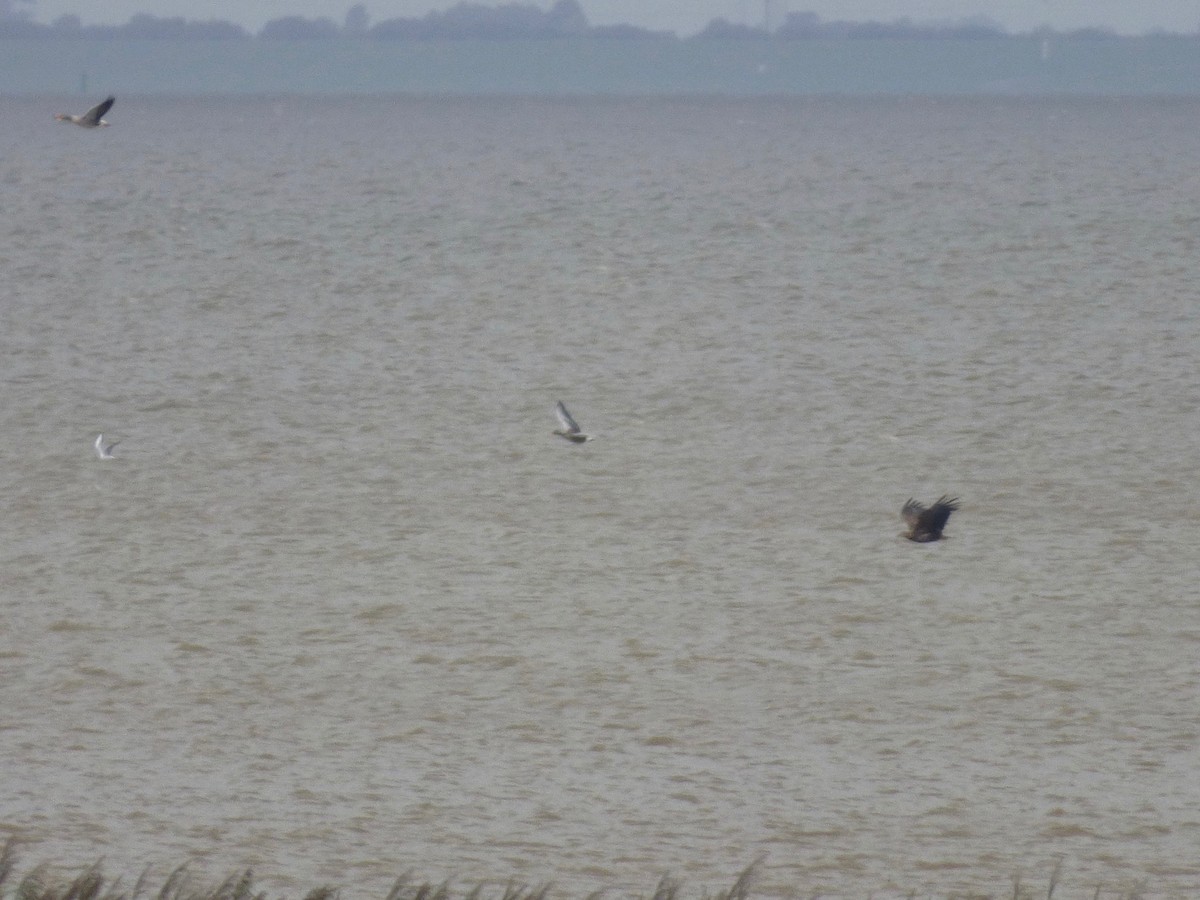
x=343, y=606
x=1022, y=66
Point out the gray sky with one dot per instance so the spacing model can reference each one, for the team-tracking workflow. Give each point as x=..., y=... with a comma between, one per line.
x=681, y=16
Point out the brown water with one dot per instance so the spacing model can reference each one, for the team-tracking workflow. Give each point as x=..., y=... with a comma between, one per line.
x=343, y=607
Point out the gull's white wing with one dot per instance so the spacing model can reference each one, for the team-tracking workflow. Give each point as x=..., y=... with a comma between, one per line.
x=565, y=419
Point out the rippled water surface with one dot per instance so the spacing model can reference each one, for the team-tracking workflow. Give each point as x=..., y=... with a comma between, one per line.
x=343, y=606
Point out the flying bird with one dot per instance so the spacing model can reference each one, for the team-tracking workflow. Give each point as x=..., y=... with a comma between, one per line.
x=93, y=118
x=103, y=450
x=925, y=525
x=569, y=429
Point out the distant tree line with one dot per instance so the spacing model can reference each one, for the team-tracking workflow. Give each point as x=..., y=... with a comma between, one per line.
x=506, y=21
x=464, y=20
x=800, y=26
x=810, y=26
x=142, y=25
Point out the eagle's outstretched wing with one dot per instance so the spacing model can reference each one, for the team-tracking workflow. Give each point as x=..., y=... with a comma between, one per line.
x=911, y=513
x=926, y=524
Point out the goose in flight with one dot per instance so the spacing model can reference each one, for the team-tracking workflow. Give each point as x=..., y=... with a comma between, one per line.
x=925, y=525
x=569, y=428
x=103, y=450
x=93, y=118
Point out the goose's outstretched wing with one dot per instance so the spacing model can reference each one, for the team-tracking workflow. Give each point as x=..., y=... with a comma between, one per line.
x=96, y=113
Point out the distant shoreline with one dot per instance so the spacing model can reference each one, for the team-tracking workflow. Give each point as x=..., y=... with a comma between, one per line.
x=1161, y=65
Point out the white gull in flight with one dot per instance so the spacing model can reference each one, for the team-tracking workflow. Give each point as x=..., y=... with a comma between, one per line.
x=570, y=428
x=103, y=450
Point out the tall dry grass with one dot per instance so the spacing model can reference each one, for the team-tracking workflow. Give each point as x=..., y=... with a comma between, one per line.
x=93, y=884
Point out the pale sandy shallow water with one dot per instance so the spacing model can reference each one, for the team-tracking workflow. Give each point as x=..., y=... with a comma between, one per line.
x=343, y=607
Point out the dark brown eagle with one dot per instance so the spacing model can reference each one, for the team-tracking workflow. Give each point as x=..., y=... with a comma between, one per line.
x=925, y=525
